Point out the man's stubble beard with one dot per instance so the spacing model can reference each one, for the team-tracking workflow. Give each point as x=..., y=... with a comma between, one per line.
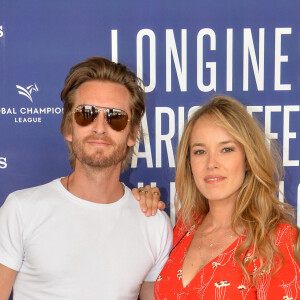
x=98, y=159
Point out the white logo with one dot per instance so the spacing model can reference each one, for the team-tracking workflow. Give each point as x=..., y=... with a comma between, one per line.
x=3, y=163
x=27, y=92
x=29, y=113
x=1, y=31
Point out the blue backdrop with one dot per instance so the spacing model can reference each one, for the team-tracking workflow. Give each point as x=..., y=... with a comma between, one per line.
x=186, y=51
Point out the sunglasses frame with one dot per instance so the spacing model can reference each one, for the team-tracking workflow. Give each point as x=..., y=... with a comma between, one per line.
x=97, y=110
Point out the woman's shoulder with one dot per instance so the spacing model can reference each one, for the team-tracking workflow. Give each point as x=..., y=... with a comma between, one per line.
x=179, y=229
x=182, y=229
x=285, y=233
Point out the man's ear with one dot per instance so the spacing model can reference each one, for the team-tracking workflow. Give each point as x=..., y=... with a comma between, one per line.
x=68, y=137
x=68, y=133
x=133, y=136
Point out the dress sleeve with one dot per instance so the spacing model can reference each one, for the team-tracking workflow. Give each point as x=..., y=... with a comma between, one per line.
x=11, y=243
x=285, y=284
x=179, y=232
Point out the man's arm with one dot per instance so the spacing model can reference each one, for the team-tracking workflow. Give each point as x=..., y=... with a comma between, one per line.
x=146, y=292
x=7, y=279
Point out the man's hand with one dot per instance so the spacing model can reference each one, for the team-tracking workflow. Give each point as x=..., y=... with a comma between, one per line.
x=7, y=279
x=149, y=198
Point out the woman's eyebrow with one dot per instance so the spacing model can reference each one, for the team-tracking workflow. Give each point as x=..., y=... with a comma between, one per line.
x=220, y=143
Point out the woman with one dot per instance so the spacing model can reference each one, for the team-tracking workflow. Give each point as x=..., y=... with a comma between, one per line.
x=233, y=239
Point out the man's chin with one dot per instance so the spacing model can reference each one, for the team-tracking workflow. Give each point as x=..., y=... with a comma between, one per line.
x=100, y=162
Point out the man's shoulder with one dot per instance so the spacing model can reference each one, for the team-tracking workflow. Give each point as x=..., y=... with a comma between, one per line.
x=32, y=193
x=160, y=218
x=36, y=188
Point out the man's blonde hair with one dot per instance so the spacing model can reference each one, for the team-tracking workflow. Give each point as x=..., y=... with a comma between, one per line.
x=99, y=68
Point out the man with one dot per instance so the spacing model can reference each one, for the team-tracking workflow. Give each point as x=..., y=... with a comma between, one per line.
x=83, y=236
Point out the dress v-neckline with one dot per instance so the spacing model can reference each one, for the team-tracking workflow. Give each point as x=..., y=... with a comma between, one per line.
x=228, y=249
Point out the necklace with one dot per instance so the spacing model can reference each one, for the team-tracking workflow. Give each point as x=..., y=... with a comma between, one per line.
x=123, y=188
x=213, y=243
x=68, y=182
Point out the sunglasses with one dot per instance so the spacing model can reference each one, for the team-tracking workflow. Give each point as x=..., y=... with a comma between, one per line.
x=116, y=118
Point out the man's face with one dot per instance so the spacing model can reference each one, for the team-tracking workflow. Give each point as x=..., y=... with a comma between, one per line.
x=97, y=144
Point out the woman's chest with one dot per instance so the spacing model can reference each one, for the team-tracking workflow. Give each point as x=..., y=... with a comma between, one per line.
x=220, y=279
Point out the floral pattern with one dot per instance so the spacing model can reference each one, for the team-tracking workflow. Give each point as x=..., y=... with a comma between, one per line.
x=223, y=279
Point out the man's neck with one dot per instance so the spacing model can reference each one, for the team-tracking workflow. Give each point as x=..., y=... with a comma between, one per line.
x=95, y=185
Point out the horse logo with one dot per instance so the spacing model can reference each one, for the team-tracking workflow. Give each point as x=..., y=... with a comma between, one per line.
x=27, y=91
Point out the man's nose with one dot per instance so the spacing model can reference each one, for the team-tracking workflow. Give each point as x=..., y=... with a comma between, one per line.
x=99, y=124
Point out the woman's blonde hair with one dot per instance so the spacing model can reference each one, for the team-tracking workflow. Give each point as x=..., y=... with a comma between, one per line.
x=257, y=207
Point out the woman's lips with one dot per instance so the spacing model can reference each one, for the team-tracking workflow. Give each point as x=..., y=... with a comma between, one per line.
x=214, y=179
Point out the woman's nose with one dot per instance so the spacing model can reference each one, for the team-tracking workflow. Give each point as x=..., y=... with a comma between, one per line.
x=212, y=161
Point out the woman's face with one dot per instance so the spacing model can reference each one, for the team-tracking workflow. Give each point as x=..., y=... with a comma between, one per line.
x=217, y=160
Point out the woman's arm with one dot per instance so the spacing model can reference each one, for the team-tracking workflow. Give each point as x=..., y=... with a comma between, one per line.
x=284, y=284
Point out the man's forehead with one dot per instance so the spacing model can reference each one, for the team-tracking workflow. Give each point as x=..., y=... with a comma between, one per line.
x=103, y=93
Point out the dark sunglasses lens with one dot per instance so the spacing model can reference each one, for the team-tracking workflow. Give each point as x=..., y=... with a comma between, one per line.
x=85, y=115
x=117, y=119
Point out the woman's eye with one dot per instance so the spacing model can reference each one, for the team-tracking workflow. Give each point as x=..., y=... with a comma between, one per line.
x=227, y=149
x=197, y=152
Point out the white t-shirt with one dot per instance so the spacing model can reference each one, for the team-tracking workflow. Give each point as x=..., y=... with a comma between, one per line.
x=64, y=247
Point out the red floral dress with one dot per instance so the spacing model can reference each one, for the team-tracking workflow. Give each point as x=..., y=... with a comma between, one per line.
x=222, y=278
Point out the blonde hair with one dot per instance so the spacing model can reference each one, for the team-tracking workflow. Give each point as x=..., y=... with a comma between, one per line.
x=257, y=207
x=100, y=68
